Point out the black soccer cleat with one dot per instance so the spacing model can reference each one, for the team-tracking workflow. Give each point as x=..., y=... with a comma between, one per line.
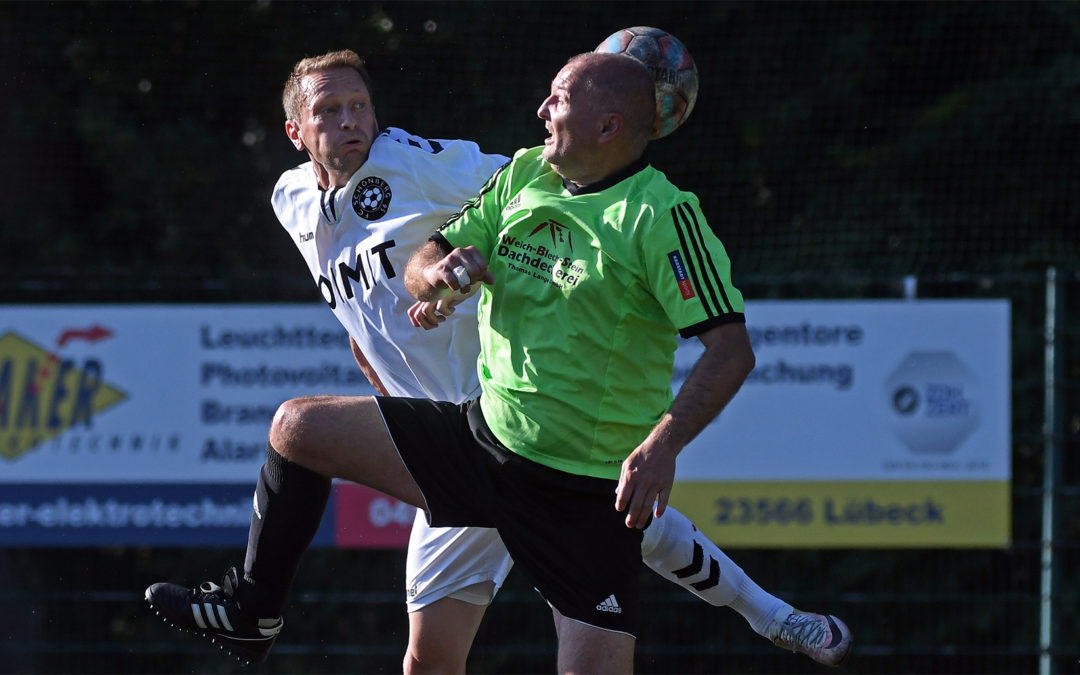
x=211, y=610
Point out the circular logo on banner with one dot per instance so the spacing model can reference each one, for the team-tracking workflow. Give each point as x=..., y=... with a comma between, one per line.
x=371, y=198
x=934, y=400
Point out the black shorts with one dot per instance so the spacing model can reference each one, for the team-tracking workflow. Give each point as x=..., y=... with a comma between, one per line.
x=561, y=529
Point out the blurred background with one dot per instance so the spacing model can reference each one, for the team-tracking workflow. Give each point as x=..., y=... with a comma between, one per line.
x=840, y=151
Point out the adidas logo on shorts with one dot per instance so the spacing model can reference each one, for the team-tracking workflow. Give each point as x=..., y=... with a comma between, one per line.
x=610, y=605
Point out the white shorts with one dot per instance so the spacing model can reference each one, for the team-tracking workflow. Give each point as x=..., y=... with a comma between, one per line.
x=446, y=561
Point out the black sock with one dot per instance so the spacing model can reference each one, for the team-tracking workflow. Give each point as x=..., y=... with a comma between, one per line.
x=289, y=505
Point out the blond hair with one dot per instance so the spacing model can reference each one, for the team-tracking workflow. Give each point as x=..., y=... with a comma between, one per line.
x=292, y=97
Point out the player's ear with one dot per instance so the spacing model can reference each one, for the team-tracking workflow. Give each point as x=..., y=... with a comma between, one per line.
x=292, y=130
x=610, y=126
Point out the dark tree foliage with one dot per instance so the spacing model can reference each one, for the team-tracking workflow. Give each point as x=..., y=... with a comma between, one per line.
x=929, y=138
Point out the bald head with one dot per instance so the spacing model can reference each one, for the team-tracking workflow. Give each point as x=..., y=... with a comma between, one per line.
x=599, y=115
x=621, y=84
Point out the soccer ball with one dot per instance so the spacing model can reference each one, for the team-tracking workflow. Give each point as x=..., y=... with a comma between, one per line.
x=672, y=68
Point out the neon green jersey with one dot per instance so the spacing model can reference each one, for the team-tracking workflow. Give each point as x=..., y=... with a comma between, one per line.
x=592, y=287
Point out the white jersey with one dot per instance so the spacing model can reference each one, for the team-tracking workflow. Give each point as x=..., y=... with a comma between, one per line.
x=357, y=239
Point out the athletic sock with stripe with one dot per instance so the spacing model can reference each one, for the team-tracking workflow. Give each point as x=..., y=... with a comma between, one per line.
x=673, y=547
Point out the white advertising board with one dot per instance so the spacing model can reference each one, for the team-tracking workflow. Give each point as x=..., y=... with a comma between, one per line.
x=863, y=423
x=863, y=391
x=876, y=423
x=122, y=394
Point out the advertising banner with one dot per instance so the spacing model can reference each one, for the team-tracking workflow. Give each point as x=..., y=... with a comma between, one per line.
x=864, y=423
x=177, y=394
x=882, y=423
x=147, y=425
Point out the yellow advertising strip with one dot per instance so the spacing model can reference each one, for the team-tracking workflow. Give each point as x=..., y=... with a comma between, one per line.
x=849, y=514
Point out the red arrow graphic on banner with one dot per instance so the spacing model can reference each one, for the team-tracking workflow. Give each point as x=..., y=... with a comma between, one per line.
x=92, y=334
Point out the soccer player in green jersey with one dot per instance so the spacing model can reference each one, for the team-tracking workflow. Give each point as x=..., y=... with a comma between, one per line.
x=592, y=264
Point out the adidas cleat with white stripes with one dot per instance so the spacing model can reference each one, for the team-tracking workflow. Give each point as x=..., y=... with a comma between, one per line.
x=212, y=611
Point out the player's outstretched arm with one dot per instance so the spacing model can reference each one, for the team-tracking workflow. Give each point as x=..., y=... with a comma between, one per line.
x=649, y=471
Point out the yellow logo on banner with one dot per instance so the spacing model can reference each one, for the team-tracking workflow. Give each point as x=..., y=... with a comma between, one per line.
x=42, y=394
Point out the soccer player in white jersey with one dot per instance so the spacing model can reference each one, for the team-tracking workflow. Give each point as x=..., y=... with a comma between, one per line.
x=356, y=211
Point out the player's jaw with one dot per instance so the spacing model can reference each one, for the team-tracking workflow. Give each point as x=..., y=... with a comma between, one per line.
x=563, y=145
x=349, y=152
x=355, y=144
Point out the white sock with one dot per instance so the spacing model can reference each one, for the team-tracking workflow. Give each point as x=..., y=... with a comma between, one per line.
x=674, y=548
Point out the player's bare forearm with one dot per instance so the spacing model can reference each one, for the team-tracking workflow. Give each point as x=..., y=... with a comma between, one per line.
x=713, y=382
x=649, y=472
x=415, y=281
x=365, y=367
x=433, y=272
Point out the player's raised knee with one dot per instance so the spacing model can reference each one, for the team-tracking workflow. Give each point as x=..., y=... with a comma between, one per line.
x=294, y=423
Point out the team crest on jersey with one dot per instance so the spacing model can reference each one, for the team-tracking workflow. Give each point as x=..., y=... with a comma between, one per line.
x=371, y=198
x=560, y=233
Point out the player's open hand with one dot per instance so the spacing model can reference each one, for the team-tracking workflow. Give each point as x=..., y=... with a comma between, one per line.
x=645, y=481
